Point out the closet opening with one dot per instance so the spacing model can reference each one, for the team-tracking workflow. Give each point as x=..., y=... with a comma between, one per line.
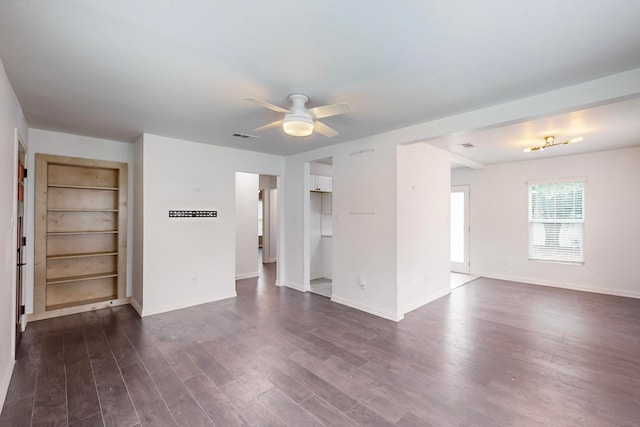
x=321, y=227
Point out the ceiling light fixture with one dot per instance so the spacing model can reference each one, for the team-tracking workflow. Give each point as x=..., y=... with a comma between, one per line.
x=297, y=124
x=550, y=141
x=298, y=120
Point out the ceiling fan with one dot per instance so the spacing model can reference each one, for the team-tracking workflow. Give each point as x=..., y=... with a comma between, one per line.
x=300, y=121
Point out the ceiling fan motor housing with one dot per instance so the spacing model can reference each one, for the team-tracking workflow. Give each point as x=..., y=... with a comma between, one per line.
x=297, y=102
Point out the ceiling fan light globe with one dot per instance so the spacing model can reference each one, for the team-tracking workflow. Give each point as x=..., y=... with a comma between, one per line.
x=298, y=125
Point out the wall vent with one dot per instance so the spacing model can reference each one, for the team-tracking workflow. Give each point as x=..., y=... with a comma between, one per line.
x=468, y=145
x=244, y=135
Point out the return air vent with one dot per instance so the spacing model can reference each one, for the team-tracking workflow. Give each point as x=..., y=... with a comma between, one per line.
x=244, y=135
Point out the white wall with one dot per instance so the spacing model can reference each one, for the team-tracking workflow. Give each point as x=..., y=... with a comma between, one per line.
x=315, y=235
x=320, y=169
x=137, y=233
x=11, y=118
x=271, y=249
x=293, y=219
x=192, y=261
x=64, y=144
x=499, y=227
x=364, y=227
x=423, y=204
x=246, y=225
x=364, y=223
x=369, y=246
x=327, y=257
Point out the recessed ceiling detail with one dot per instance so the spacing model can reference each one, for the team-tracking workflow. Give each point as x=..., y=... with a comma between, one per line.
x=605, y=127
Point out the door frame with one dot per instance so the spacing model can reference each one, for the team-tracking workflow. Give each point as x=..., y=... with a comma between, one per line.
x=18, y=289
x=269, y=225
x=465, y=266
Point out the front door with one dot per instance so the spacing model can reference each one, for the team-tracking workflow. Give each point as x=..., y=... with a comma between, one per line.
x=21, y=256
x=460, y=229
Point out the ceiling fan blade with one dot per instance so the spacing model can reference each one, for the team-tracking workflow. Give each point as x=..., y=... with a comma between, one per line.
x=323, y=129
x=270, y=125
x=330, y=110
x=265, y=104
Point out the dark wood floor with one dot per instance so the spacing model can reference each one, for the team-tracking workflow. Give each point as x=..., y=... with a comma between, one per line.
x=492, y=353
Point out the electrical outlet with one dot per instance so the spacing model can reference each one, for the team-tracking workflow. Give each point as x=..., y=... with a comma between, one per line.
x=363, y=282
x=194, y=281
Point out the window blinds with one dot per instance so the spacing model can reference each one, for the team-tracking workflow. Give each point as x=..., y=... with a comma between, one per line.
x=556, y=222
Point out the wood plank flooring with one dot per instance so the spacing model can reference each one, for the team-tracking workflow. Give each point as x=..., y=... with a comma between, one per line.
x=492, y=353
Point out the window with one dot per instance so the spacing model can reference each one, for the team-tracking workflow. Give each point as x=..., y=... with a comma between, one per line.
x=556, y=221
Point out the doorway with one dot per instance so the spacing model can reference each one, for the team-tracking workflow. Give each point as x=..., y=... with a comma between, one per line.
x=460, y=229
x=257, y=225
x=320, y=227
x=268, y=218
x=21, y=194
x=460, y=235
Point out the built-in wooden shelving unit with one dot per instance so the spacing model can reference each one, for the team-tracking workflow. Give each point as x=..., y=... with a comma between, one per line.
x=80, y=233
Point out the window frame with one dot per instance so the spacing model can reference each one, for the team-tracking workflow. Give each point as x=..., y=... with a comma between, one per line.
x=531, y=221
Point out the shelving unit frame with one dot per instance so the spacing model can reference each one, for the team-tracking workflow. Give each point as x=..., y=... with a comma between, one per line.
x=80, y=248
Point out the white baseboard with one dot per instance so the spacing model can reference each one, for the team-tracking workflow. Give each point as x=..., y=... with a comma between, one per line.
x=77, y=309
x=278, y=283
x=562, y=285
x=389, y=315
x=150, y=311
x=5, y=379
x=247, y=275
x=294, y=286
x=426, y=300
x=136, y=306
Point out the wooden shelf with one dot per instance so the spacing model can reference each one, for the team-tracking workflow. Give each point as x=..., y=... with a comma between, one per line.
x=80, y=302
x=82, y=187
x=81, y=255
x=80, y=234
x=82, y=278
x=82, y=210
x=71, y=233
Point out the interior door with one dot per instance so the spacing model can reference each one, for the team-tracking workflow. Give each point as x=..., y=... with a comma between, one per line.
x=20, y=258
x=460, y=229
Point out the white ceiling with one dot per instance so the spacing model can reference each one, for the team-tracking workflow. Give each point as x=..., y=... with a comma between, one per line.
x=114, y=69
x=605, y=127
